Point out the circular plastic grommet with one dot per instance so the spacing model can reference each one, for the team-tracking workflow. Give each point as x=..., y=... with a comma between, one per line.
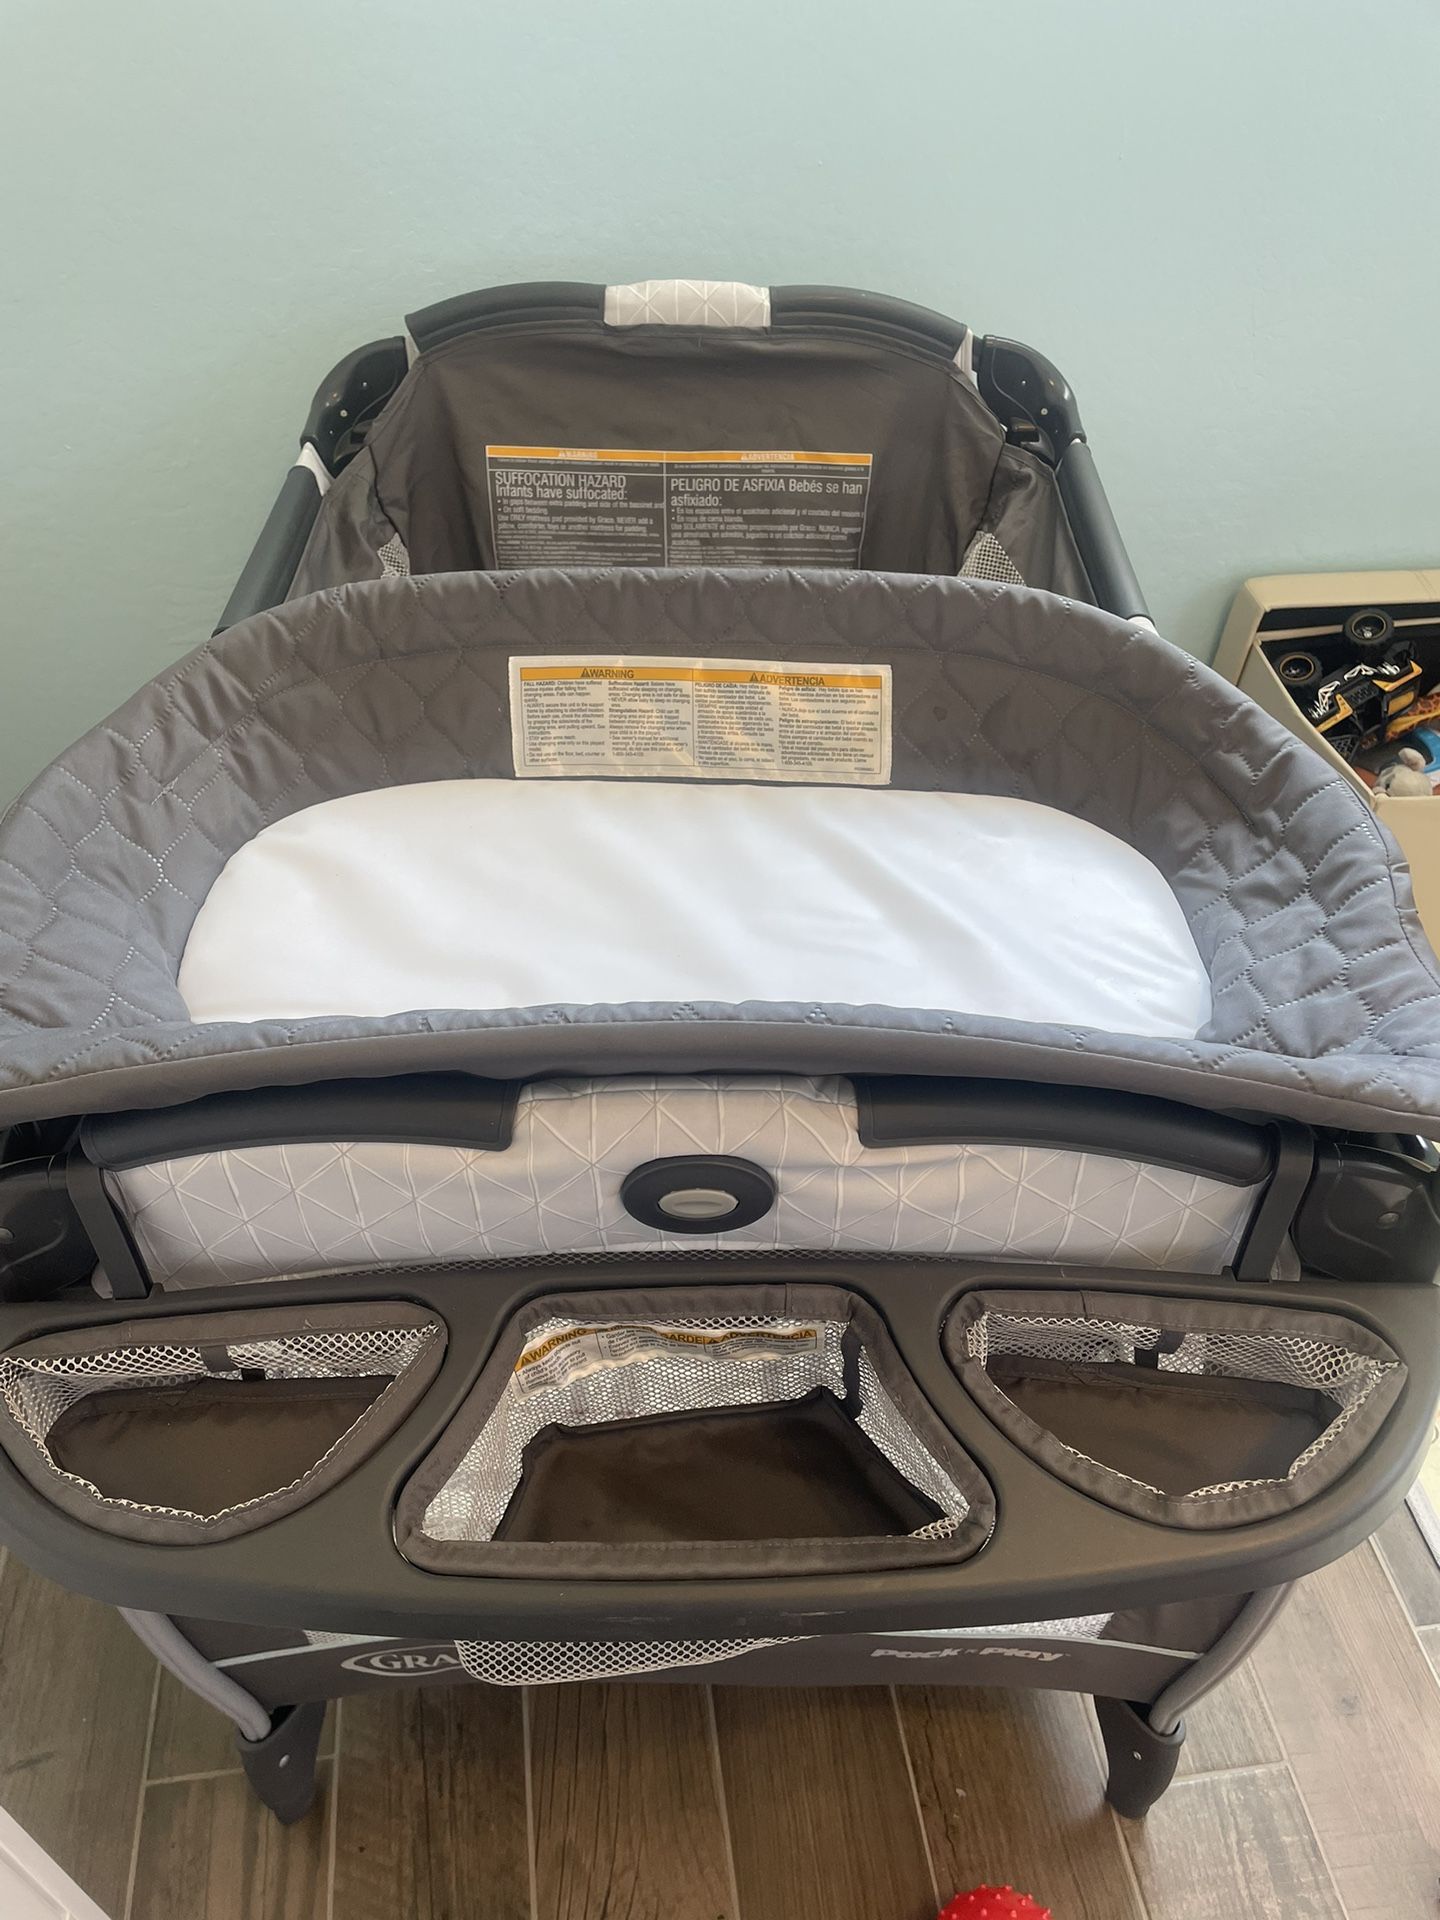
x=697, y=1193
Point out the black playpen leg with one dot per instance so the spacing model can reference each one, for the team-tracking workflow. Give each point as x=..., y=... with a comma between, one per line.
x=281, y=1766
x=1142, y=1761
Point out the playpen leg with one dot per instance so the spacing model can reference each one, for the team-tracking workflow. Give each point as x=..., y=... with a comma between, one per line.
x=281, y=1766
x=1142, y=1761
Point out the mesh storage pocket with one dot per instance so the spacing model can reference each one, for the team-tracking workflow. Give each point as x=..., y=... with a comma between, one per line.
x=1195, y=1413
x=204, y=1426
x=725, y=1430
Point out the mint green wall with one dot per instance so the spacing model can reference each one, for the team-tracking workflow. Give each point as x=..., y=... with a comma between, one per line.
x=1219, y=219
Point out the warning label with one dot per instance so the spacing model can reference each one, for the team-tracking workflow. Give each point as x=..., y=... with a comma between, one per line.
x=577, y=714
x=555, y=1359
x=610, y=507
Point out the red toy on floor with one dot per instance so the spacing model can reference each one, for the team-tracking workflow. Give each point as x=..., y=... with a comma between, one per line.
x=994, y=1903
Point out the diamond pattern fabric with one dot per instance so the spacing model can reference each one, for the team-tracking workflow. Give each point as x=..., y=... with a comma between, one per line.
x=687, y=303
x=310, y=1208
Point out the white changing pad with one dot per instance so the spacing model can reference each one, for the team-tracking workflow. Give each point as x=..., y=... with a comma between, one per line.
x=479, y=894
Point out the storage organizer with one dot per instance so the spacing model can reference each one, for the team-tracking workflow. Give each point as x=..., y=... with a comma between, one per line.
x=734, y=1431
x=205, y=1427
x=1187, y=1412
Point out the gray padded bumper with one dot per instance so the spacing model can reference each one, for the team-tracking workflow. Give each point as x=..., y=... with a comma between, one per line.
x=1326, y=998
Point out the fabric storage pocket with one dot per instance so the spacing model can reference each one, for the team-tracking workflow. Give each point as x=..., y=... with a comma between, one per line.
x=202, y=1426
x=1195, y=1413
x=696, y=1431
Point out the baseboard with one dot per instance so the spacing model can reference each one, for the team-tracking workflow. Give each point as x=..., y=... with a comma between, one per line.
x=1426, y=1517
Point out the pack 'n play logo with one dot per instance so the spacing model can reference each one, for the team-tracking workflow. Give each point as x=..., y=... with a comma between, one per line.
x=403, y=1663
x=955, y=1653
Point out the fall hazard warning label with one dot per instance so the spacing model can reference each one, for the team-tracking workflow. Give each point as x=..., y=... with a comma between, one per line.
x=615, y=507
x=659, y=718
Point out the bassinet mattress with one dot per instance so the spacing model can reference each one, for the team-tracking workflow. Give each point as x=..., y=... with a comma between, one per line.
x=1324, y=999
x=518, y=893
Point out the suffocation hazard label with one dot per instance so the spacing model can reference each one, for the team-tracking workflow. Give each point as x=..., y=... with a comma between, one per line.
x=654, y=718
x=616, y=507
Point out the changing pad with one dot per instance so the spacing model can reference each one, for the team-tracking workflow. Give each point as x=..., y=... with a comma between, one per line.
x=519, y=893
x=1324, y=998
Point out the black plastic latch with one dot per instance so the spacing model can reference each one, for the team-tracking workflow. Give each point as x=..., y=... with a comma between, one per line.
x=43, y=1244
x=1372, y=1211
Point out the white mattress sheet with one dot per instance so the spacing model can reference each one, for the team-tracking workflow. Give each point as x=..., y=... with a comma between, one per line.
x=480, y=894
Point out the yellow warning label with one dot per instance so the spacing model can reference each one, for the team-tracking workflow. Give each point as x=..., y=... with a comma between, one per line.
x=646, y=717
x=707, y=676
x=557, y=1359
x=655, y=507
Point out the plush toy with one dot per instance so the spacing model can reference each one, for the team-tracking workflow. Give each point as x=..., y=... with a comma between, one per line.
x=994, y=1903
x=1405, y=775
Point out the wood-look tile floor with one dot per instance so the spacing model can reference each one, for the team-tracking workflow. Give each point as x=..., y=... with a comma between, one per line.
x=1309, y=1790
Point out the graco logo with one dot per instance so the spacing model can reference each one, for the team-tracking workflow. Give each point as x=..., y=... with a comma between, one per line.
x=403, y=1663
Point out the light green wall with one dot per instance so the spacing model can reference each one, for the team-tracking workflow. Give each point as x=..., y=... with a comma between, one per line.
x=1220, y=220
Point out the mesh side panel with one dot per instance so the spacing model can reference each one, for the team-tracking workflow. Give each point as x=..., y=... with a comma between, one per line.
x=37, y=1391
x=520, y=1663
x=1086, y=1626
x=986, y=559
x=880, y=1420
x=529, y=1663
x=393, y=557
x=1286, y=1359
x=632, y=1371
